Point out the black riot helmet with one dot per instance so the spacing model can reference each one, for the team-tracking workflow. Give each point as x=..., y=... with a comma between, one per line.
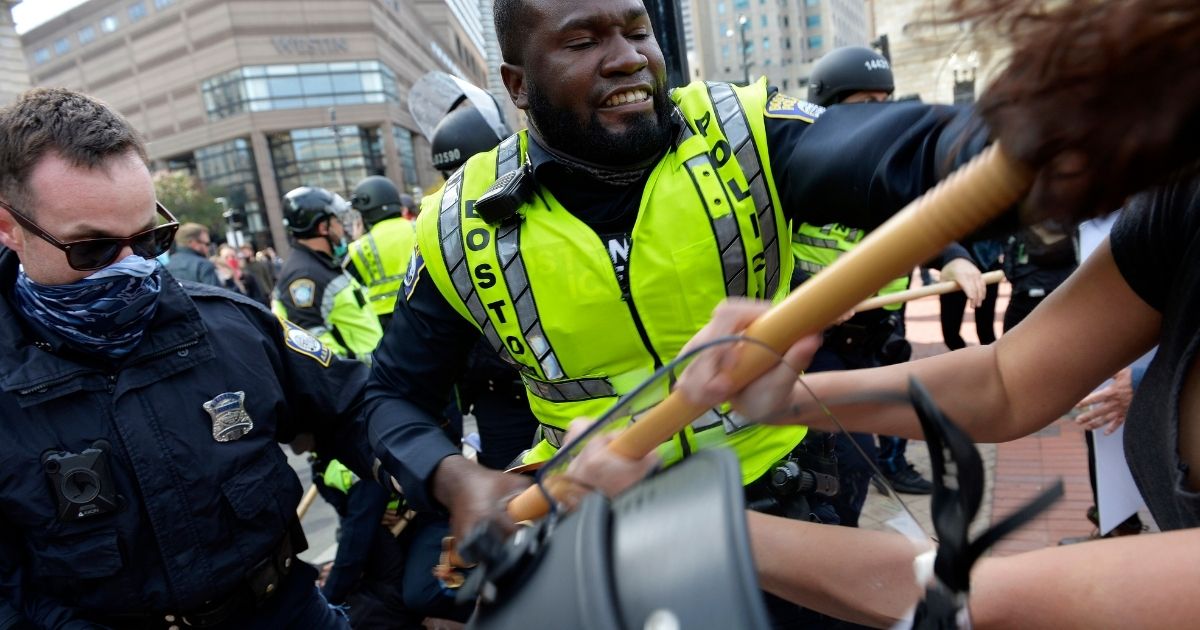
x=847, y=70
x=307, y=207
x=376, y=198
x=461, y=134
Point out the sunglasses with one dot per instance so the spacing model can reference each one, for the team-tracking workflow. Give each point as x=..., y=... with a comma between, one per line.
x=90, y=254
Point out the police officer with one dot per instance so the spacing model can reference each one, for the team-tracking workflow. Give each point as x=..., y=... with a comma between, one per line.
x=378, y=259
x=312, y=289
x=143, y=485
x=622, y=217
x=856, y=74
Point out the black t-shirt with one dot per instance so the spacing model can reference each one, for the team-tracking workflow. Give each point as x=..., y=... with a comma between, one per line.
x=1156, y=245
x=855, y=165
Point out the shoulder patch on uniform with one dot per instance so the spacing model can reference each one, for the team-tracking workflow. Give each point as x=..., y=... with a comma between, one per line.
x=415, y=264
x=303, y=342
x=303, y=291
x=784, y=106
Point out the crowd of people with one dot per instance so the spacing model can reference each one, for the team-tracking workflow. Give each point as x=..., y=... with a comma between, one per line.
x=150, y=375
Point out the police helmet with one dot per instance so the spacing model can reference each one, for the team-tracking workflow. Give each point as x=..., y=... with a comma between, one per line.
x=376, y=198
x=461, y=134
x=847, y=70
x=307, y=207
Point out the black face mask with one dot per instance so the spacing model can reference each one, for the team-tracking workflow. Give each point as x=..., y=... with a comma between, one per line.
x=637, y=145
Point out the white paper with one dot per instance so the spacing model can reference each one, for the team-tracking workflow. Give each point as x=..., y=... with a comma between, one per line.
x=1117, y=494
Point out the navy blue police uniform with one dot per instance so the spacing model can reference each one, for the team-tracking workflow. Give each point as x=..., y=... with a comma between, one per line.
x=152, y=492
x=898, y=150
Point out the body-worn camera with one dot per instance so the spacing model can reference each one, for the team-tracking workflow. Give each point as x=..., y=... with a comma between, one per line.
x=81, y=482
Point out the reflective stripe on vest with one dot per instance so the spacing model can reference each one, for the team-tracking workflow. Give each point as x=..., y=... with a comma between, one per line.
x=737, y=131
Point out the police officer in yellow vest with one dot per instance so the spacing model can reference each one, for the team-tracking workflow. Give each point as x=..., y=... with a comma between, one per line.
x=312, y=290
x=378, y=259
x=588, y=249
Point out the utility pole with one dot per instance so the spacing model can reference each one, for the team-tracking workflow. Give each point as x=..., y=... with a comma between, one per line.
x=667, y=18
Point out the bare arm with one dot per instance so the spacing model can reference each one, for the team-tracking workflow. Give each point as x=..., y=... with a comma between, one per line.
x=1085, y=331
x=1127, y=582
x=854, y=574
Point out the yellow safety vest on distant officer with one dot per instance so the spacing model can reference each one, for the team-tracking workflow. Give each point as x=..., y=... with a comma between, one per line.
x=379, y=259
x=816, y=247
x=544, y=293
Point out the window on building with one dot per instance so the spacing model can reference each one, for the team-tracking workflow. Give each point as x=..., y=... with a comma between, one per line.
x=763, y=21
x=813, y=20
x=407, y=154
x=86, y=35
x=136, y=12
x=787, y=43
x=720, y=8
x=766, y=45
x=812, y=3
x=162, y=4
x=725, y=51
x=785, y=85
x=815, y=42
x=229, y=167
x=109, y=23
x=292, y=86
x=334, y=158
x=741, y=4
x=61, y=46
x=41, y=55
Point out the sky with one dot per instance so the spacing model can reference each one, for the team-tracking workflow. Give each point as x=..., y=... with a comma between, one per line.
x=30, y=13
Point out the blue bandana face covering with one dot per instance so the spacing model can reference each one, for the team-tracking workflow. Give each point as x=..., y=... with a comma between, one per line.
x=106, y=312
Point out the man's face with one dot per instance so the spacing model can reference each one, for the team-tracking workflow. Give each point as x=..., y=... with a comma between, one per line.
x=594, y=80
x=72, y=203
x=203, y=244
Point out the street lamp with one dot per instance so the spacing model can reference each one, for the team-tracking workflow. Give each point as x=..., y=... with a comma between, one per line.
x=743, y=24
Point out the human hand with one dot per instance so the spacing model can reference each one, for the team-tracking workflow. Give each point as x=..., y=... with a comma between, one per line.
x=390, y=518
x=598, y=468
x=323, y=574
x=1107, y=405
x=474, y=494
x=968, y=276
x=706, y=380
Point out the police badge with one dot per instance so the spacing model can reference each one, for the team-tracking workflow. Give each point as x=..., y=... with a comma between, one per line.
x=229, y=418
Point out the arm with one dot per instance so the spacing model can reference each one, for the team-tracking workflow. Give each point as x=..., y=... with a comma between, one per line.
x=1029, y=377
x=998, y=392
x=853, y=574
x=365, y=505
x=1126, y=582
x=860, y=164
x=354, y=321
x=421, y=356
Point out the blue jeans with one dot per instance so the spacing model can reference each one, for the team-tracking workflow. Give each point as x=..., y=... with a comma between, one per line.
x=891, y=454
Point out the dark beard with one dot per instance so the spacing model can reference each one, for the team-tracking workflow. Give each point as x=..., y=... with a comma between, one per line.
x=642, y=141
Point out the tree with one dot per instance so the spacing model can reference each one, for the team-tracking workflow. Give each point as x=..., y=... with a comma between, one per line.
x=189, y=200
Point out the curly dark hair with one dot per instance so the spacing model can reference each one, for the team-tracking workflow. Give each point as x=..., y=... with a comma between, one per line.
x=83, y=130
x=1102, y=97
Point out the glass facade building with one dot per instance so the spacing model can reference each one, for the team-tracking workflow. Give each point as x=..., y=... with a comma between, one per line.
x=295, y=86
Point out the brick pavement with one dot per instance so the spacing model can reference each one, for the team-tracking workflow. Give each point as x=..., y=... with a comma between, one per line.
x=1017, y=470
